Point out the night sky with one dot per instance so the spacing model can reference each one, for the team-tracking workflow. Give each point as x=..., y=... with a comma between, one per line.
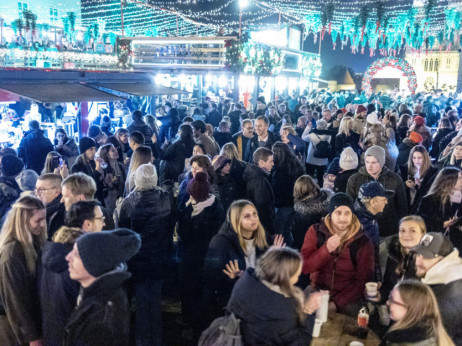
x=330, y=58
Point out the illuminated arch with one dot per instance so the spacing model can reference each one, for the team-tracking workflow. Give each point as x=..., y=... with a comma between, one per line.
x=397, y=63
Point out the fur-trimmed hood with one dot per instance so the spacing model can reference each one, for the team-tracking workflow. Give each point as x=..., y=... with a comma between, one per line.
x=314, y=205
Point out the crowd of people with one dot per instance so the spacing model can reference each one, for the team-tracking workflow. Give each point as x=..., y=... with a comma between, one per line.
x=257, y=213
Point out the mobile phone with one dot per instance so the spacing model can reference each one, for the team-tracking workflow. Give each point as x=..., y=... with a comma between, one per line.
x=61, y=161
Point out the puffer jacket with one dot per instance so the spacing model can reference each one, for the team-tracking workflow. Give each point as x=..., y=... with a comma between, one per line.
x=307, y=213
x=313, y=138
x=445, y=279
x=396, y=207
x=141, y=126
x=267, y=316
x=150, y=214
x=335, y=271
x=173, y=159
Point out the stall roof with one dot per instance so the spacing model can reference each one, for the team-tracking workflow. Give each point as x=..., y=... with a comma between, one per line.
x=58, y=92
x=139, y=88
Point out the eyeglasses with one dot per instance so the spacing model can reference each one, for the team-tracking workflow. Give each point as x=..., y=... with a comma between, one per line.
x=392, y=301
x=102, y=218
x=41, y=189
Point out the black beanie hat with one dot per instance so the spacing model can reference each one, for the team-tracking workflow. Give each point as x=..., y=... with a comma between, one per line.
x=338, y=200
x=11, y=165
x=198, y=188
x=103, y=251
x=86, y=143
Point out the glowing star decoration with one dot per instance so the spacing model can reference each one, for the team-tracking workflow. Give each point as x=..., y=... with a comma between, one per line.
x=397, y=63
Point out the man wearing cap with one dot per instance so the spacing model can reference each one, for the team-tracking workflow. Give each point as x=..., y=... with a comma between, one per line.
x=12, y=166
x=372, y=199
x=438, y=265
x=375, y=170
x=97, y=262
x=339, y=256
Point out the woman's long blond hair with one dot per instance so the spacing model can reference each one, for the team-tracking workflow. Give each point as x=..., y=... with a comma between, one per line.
x=422, y=310
x=277, y=266
x=16, y=228
x=443, y=184
x=453, y=158
x=234, y=218
x=345, y=126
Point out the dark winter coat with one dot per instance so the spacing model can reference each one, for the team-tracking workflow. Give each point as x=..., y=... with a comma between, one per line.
x=222, y=138
x=446, y=140
x=342, y=141
x=9, y=193
x=224, y=247
x=89, y=168
x=145, y=129
x=169, y=127
x=396, y=207
x=103, y=316
x=19, y=306
x=183, y=195
x=440, y=134
x=150, y=214
x=404, y=150
x=57, y=292
x=267, y=317
x=307, y=213
x=33, y=150
x=336, y=272
x=421, y=191
x=394, y=257
x=413, y=336
x=401, y=133
x=260, y=192
x=282, y=182
x=230, y=190
x=368, y=221
x=341, y=180
x=173, y=159
x=234, y=116
x=214, y=118
x=252, y=146
x=53, y=207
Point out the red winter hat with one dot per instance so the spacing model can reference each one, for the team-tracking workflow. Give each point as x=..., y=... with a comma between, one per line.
x=361, y=109
x=418, y=120
x=415, y=137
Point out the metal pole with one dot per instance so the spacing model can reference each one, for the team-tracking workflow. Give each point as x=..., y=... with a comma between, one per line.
x=177, y=30
x=240, y=20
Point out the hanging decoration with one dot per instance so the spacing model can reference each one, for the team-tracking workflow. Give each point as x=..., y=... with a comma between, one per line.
x=124, y=53
x=310, y=66
x=393, y=62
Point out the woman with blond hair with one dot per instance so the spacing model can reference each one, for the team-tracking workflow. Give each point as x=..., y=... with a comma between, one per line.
x=239, y=242
x=346, y=137
x=414, y=309
x=21, y=239
x=141, y=156
x=280, y=315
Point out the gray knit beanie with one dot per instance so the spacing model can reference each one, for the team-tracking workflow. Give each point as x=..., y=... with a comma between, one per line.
x=145, y=177
x=26, y=180
x=348, y=159
x=378, y=153
x=101, y=252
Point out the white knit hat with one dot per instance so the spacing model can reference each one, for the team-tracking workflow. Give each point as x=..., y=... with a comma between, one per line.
x=145, y=177
x=348, y=159
x=372, y=118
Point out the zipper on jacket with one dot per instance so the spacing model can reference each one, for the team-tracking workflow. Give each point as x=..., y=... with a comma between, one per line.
x=333, y=274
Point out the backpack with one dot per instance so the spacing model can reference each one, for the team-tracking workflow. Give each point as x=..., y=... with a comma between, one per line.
x=224, y=331
x=322, y=150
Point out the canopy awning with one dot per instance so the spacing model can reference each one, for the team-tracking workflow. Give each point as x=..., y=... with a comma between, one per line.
x=139, y=88
x=55, y=92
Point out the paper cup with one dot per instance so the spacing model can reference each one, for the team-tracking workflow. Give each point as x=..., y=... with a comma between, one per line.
x=356, y=343
x=371, y=289
x=323, y=310
x=317, y=328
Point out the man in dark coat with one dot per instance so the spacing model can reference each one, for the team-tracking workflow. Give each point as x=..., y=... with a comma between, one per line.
x=139, y=125
x=48, y=190
x=102, y=315
x=9, y=188
x=234, y=116
x=241, y=138
x=170, y=124
x=258, y=187
x=34, y=148
x=440, y=267
x=376, y=171
x=262, y=138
